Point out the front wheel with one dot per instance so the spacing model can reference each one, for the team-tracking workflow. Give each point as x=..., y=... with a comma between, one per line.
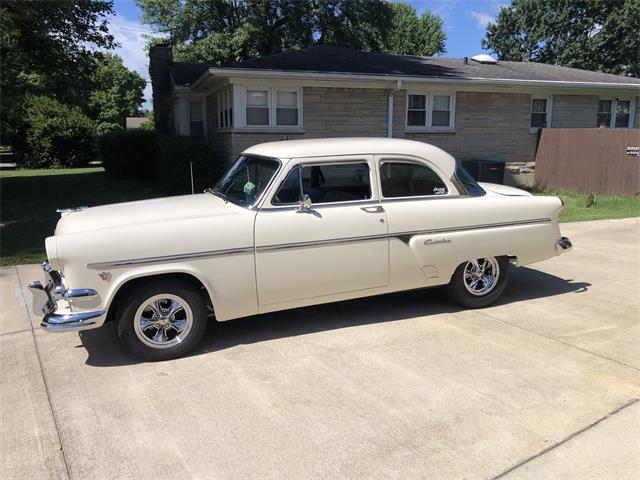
x=479, y=282
x=162, y=319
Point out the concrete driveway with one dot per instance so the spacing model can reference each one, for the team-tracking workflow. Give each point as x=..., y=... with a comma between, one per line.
x=544, y=385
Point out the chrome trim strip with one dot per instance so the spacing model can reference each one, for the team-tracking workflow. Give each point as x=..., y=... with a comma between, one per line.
x=320, y=243
x=403, y=236
x=168, y=258
x=406, y=236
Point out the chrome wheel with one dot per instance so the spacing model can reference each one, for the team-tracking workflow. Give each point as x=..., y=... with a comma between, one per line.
x=481, y=275
x=163, y=321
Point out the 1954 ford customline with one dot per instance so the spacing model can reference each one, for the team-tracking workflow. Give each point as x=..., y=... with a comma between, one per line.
x=292, y=223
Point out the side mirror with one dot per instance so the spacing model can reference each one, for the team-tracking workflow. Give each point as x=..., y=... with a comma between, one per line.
x=305, y=204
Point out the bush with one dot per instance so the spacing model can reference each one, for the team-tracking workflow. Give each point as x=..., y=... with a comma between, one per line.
x=173, y=169
x=164, y=158
x=53, y=134
x=129, y=154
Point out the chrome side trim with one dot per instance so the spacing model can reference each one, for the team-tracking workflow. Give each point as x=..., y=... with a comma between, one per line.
x=168, y=258
x=320, y=243
x=406, y=236
x=403, y=236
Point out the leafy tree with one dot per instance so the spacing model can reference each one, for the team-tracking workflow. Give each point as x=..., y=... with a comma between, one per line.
x=599, y=35
x=54, y=135
x=226, y=31
x=117, y=94
x=413, y=35
x=48, y=47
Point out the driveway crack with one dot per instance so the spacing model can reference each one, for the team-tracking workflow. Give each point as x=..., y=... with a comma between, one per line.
x=46, y=387
x=566, y=439
x=549, y=337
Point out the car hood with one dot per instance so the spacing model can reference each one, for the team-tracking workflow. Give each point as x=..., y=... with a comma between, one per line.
x=165, y=209
x=494, y=188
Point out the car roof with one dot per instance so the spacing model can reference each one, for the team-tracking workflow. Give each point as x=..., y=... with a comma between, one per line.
x=330, y=147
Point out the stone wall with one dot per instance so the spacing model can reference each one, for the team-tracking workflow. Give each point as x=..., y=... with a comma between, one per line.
x=574, y=111
x=488, y=125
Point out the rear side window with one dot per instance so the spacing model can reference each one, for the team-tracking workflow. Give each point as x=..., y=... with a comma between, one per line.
x=333, y=183
x=403, y=179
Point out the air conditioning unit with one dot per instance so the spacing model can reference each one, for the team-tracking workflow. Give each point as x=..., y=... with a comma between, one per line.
x=489, y=171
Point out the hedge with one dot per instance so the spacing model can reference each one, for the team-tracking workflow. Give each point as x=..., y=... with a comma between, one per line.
x=53, y=134
x=167, y=159
x=129, y=154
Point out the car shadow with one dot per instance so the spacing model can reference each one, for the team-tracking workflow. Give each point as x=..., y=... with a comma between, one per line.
x=104, y=349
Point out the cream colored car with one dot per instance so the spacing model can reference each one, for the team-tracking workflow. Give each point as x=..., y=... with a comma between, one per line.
x=292, y=223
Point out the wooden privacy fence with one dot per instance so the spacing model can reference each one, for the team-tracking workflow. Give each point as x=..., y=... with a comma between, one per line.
x=599, y=160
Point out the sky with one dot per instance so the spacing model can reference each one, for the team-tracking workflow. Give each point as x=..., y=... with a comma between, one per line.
x=464, y=22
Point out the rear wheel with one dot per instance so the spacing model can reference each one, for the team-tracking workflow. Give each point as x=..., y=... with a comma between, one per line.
x=162, y=319
x=479, y=282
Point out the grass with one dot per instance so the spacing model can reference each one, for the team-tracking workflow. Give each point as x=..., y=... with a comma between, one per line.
x=606, y=207
x=29, y=199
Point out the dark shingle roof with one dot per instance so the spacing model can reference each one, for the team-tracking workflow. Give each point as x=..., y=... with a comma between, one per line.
x=187, y=73
x=329, y=58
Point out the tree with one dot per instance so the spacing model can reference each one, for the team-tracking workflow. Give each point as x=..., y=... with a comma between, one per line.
x=48, y=47
x=413, y=35
x=598, y=35
x=117, y=94
x=227, y=31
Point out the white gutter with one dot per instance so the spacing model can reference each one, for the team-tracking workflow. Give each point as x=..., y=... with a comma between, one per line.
x=245, y=72
x=390, y=108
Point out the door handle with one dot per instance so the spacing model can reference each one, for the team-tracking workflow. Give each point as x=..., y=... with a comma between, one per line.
x=376, y=209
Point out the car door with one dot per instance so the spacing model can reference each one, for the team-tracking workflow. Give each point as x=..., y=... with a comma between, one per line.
x=416, y=198
x=339, y=244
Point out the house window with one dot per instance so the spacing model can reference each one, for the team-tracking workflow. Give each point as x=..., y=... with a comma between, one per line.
x=196, y=124
x=538, y=113
x=430, y=111
x=274, y=107
x=622, y=113
x=614, y=113
x=257, y=108
x=604, y=113
x=225, y=108
x=286, y=108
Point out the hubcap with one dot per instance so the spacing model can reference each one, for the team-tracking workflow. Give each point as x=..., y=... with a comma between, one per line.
x=163, y=321
x=481, y=275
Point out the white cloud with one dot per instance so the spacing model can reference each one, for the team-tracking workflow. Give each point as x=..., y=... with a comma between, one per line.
x=482, y=18
x=130, y=35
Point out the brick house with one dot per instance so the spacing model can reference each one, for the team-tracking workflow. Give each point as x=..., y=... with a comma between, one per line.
x=474, y=108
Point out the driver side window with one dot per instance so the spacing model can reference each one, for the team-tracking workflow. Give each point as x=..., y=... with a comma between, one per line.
x=330, y=183
x=404, y=179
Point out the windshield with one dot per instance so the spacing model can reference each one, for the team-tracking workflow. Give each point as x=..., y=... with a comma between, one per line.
x=246, y=180
x=468, y=182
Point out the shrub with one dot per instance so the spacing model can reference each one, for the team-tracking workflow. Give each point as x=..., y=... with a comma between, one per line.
x=127, y=154
x=173, y=167
x=167, y=159
x=53, y=134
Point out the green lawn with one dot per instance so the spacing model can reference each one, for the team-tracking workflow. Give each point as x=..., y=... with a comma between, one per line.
x=29, y=199
x=607, y=206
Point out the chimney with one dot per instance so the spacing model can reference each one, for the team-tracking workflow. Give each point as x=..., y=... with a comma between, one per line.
x=160, y=59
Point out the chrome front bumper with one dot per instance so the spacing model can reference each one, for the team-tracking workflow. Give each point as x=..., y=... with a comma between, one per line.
x=564, y=245
x=45, y=302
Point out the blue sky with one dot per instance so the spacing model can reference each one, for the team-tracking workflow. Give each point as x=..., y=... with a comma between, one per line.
x=464, y=21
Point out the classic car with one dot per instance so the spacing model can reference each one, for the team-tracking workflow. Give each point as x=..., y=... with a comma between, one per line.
x=292, y=223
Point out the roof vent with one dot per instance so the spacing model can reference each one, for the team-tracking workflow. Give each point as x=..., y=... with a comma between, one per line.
x=483, y=58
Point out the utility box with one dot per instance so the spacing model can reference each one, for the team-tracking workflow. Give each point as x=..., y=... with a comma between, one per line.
x=485, y=170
